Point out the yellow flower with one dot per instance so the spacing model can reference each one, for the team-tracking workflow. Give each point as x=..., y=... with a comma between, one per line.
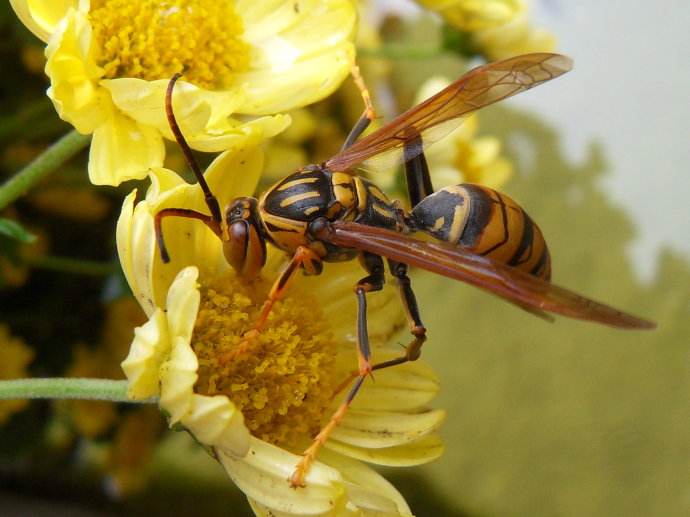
x=516, y=37
x=461, y=156
x=474, y=15
x=15, y=356
x=258, y=413
x=109, y=62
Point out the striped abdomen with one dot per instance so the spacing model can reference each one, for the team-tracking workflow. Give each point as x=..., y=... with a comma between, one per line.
x=487, y=223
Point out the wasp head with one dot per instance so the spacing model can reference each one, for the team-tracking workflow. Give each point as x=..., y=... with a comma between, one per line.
x=245, y=247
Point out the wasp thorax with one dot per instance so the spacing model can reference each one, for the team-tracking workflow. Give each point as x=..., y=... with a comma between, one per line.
x=245, y=246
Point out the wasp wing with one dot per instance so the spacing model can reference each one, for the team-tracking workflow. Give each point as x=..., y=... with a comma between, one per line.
x=525, y=290
x=479, y=87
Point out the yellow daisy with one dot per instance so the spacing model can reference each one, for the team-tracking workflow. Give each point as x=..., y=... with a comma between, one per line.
x=473, y=15
x=517, y=36
x=462, y=156
x=259, y=412
x=109, y=62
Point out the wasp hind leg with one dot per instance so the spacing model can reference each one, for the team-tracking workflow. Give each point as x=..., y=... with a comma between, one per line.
x=414, y=349
x=416, y=171
x=374, y=282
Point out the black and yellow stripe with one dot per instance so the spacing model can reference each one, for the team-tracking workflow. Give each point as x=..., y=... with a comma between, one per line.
x=485, y=222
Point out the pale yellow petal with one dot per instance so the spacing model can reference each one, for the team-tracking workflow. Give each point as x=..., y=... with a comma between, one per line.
x=183, y=304
x=178, y=375
x=367, y=488
x=123, y=238
x=203, y=115
x=74, y=75
x=195, y=108
x=300, y=55
x=473, y=15
x=216, y=422
x=406, y=387
x=42, y=16
x=235, y=174
x=301, y=84
x=263, y=476
x=122, y=150
x=149, y=348
x=379, y=429
x=136, y=246
x=179, y=372
x=418, y=452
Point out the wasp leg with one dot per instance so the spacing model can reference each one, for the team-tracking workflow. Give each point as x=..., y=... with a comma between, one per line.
x=416, y=171
x=303, y=257
x=417, y=329
x=181, y=212
x=374, y=282
x=369, y=113
x=308, y=457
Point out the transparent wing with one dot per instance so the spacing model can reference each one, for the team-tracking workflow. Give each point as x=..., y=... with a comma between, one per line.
x=525, y=290
x=444, y=111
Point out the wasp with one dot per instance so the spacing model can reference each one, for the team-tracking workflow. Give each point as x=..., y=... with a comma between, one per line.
x=327, y=213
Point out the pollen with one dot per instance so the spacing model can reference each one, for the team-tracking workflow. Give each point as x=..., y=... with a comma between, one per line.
x=154, y=39
x=285, y=383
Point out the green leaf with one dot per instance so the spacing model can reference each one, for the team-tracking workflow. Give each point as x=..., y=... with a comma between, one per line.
x=14, y=230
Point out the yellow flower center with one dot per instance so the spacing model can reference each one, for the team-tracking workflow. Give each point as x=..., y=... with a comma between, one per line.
x=154, y=39
x=287, y=381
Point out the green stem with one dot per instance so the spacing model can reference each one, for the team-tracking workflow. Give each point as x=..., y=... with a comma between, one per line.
x=66, y=388
x=400, y=52
x=47, y=162
x=76, y=266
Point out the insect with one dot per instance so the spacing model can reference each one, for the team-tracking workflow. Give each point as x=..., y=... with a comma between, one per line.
x=326, y=213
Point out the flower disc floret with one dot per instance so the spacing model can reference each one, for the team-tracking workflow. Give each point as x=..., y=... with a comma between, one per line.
x=150, y=39
x=285, y=383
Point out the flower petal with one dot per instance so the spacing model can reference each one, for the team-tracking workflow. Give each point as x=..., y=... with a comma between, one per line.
x=366, y=488
x=179, y=372
x=42, y=16
x=379, y=429
x=405, y=387
x=122, y=149
x=215, y=421
x=300, y=55
x=263, y=476
x=424, y=450
x=142, y=365
x=74, y=74
x=203, y=115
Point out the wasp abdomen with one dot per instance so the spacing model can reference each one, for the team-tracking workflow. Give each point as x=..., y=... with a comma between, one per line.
x=485, y=222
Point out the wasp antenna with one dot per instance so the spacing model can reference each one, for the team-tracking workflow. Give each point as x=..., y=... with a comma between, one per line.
x=211, y=200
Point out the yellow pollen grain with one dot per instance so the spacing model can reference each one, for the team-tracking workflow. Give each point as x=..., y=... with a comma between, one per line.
x=286, y=382
x=154, y=39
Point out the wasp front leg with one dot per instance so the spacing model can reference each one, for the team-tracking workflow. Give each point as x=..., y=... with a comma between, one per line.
x=369, y=113
x=374, y=282
x=304, y=258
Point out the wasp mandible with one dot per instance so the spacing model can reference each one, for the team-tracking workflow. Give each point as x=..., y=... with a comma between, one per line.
x=327, y=213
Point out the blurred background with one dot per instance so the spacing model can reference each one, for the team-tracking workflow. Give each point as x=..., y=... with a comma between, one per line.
x=543, y=419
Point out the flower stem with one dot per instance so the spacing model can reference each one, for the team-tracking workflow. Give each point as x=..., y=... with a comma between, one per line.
x=47, y=162
x=66, y=388
x=75, y=266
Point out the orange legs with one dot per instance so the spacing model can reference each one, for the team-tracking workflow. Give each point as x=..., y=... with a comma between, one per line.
x=369, y=113
x=303, y=257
